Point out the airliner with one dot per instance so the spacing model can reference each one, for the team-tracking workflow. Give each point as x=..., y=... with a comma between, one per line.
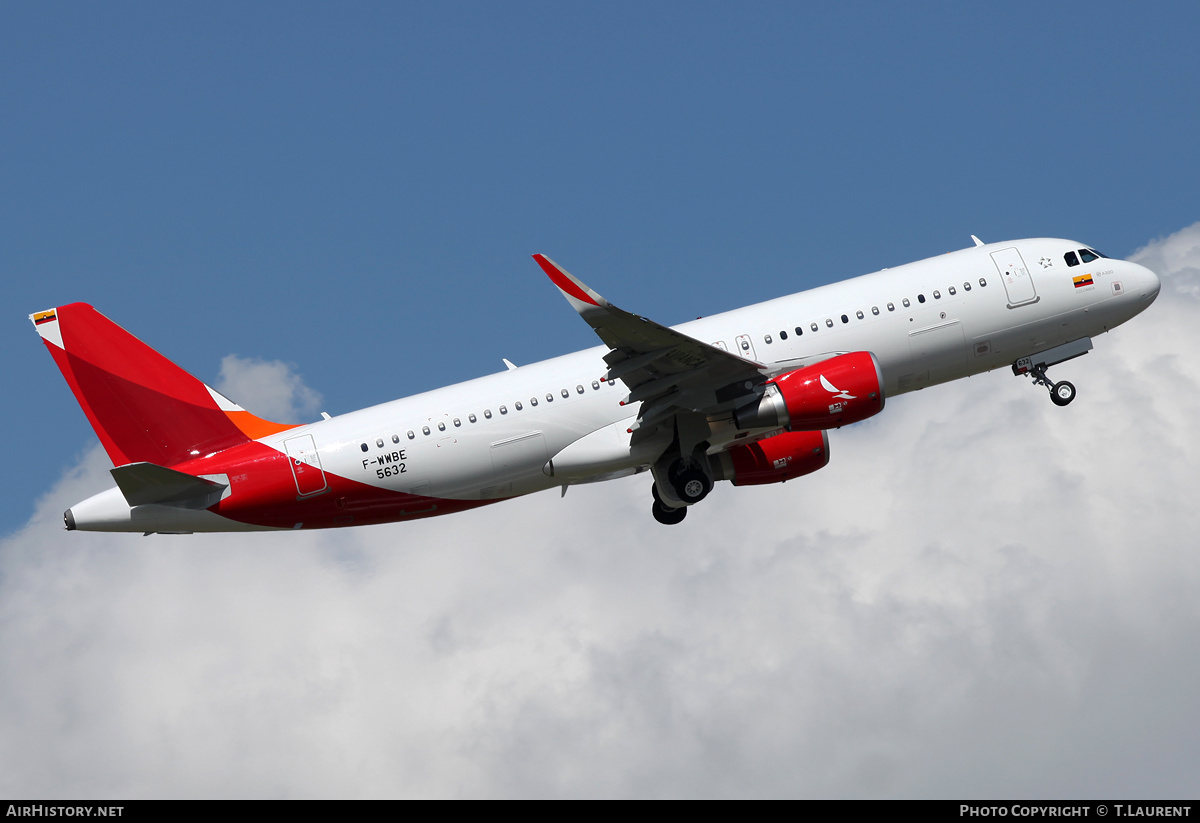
x=748, y=396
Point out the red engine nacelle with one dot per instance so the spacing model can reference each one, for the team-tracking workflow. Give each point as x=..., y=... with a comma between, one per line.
x=825, y=395
x=774, y=459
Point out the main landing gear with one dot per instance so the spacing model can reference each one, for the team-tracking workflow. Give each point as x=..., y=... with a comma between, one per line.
x=687, y=484
x=665, y=514
x=682, y=471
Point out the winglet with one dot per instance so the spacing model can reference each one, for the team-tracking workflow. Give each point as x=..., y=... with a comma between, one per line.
x=580, y=297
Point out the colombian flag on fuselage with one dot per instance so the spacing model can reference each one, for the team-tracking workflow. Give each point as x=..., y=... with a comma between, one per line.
x=1083, y=280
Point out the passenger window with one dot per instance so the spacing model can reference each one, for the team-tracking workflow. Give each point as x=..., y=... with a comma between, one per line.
x=365, y=447
x=441, y=427
x=504, y=409
x=472, y=417
x=595, y=385
x=782, y=335
x=767, y=338
x=966, y=286
x=845, y=319
x=516, y=406
x=412, y=434
x=891, y=306
x=425, y=429
x=875, y=310
x=457, y=423
x=533, y=401
x=859, y=314
x=937, y=295
x=952, y=291
x=1086, y=256
x=579, y=389
x=395, y=438
x=906, y=303
x=379, y=443
x=549, y=397
x=920, y=298
x=487, y=413
x=799, y=331
x=982, y=282
x=814, y=326
x=829, y=322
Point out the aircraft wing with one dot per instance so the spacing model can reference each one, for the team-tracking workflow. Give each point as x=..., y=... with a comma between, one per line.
x=666, y=370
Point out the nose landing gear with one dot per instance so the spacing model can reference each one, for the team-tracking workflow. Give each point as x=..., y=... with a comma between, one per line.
x=1035, y=366
x=1061, y=393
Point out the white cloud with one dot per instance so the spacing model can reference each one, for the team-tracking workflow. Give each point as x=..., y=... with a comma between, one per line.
x=982, y=595
x=269, y=389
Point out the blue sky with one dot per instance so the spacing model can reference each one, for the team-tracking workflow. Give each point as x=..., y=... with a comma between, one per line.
x=355, y=189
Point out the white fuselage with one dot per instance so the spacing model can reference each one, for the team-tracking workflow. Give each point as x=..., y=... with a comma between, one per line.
x=927, y=322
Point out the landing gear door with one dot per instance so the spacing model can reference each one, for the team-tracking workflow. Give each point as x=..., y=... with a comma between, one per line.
x=1018, y=282
x=306, y=465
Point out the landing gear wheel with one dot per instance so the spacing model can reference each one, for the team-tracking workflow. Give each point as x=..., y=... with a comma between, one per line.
x=691, y=485
x=1062, y=393
x=668, y=517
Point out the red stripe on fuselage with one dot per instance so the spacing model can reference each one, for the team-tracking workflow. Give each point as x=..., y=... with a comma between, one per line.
x=263, y=493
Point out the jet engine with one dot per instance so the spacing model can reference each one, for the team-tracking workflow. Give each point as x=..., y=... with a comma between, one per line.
x=825, y=395
x=774, y=459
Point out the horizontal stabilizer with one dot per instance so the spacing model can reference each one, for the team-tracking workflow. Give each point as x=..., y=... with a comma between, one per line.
x=143, y=483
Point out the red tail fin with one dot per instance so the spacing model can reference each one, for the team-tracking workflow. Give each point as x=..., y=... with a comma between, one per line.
x=143, y=407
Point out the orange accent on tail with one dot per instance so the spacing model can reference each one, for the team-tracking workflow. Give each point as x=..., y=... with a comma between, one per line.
x=143, y=407
x=253, y=427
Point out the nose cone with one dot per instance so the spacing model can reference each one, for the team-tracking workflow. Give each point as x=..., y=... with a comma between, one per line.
x=1148, y=283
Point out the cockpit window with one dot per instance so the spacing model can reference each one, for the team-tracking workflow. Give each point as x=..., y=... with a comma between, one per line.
x=1086, y=256
x=1071, y=258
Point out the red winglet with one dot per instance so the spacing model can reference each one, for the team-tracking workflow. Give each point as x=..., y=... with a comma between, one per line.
x=564, y=281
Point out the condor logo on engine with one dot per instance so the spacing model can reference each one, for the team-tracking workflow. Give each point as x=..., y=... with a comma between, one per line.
x=836, y=392
x=795, y=399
